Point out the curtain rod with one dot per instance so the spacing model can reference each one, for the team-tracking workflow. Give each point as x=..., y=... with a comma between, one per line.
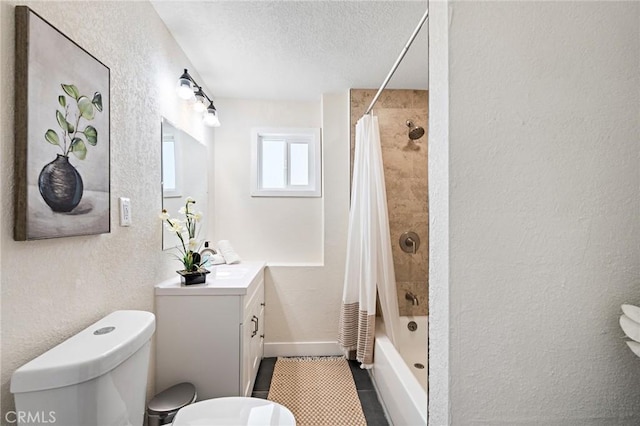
x=395, y=65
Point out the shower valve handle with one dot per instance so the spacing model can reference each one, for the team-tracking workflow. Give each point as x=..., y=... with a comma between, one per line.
x=413, y=245
x=409, y=242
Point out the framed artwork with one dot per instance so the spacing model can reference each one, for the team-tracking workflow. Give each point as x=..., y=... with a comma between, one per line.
x=62, y=134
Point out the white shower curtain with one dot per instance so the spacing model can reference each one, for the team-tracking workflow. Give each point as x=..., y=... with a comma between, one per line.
x=369, y=264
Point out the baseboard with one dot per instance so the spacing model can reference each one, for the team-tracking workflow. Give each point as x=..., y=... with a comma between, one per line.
x=276, y=349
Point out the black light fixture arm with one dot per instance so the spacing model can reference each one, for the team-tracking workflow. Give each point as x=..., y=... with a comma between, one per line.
x=198, y=88
x=188, y=88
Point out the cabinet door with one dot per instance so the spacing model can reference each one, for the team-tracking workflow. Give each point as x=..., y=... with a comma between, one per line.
x=257, y=342
x=248, y=329
x=252, y=340
x=198, y=341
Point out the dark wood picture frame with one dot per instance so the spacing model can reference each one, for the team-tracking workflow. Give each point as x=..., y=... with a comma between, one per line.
x=62, y=134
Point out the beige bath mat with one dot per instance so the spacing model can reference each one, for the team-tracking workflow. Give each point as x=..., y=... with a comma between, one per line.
x=317, y=390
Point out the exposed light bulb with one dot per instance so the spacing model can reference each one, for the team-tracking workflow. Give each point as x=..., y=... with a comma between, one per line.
x=185, y=86
x=185, y=93
x=201, y=101
x=199, y=106
x=210, y=118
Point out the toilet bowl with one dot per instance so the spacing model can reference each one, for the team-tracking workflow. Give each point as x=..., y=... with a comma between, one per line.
x=234, y=411
x=163, y=409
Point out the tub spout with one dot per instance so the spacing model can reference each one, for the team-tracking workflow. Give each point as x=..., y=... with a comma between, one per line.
x=410, y=296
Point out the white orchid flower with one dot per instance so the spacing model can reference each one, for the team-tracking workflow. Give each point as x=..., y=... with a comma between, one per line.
x=176, y=226
x=185, y=230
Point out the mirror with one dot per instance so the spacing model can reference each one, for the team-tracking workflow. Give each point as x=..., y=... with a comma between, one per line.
x=184, y=174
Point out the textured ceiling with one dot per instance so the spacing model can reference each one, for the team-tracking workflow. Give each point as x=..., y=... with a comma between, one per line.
x=297, y=50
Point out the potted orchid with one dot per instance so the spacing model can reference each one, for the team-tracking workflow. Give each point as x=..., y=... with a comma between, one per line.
x=185, y=229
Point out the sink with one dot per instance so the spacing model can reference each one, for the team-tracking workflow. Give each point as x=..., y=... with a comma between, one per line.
x=229, y=272
x=223, y=280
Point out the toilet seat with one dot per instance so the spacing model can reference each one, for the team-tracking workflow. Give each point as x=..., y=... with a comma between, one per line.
x=234, y=411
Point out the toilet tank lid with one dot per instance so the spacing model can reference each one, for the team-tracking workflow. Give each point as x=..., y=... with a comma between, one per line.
x=94, y=351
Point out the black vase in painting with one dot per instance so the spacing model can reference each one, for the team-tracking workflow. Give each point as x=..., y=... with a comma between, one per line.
x=60, y=185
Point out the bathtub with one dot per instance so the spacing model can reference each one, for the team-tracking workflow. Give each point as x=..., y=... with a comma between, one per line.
x=402, y=387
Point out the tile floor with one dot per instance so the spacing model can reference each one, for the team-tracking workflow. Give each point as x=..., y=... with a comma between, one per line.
x=368, y=398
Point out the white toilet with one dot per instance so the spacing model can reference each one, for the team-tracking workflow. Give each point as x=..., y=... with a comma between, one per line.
x=234, y=411
x=99, y=377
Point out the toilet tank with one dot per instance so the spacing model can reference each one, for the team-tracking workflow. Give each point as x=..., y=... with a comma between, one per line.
x=96, y=377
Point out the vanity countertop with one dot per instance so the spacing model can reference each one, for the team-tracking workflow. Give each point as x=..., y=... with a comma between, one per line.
x=224, y=280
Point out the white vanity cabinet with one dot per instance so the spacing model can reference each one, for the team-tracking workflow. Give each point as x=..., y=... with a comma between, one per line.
x=212, y=334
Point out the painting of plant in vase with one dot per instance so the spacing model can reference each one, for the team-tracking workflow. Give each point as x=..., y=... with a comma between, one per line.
x=62, y=134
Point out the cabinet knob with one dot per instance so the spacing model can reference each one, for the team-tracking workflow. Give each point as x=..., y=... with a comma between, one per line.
x=262, y=304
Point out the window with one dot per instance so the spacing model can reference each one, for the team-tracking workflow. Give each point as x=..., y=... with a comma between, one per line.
x=171, y=169
x=285, y=163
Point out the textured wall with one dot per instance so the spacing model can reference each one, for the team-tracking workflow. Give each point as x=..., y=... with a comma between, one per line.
x=405, y=173
x=274, y=229
x=543, y=207
x=303, y=240
x=439, y=305
x=51, y=289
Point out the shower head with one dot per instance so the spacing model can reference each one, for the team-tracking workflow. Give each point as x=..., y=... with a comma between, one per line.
x=414, y=132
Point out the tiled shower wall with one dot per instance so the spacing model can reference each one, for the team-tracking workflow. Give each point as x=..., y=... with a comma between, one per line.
x=405, y=172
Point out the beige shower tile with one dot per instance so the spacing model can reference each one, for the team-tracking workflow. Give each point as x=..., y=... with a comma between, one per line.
x=406, y=178
x=360, y=100
x=397, y=166
x=401, y=263
x=399, y=221
x=421, y=271
x=394, y=99
x=418, y=189
x=400, y=191
x=420, y=99
x=420, y=184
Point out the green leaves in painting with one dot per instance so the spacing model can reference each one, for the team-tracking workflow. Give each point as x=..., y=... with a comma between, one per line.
x=52, y=137
x=78, y=148
x=71, y=90
x=64, y=124
x=86, y=109
x=97, y=101
x=92, y=135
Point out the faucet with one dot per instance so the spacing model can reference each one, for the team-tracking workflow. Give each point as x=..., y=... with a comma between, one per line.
x=410, y=296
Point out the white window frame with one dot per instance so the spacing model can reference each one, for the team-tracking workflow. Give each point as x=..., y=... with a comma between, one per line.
x=169, y=143
x=310, y=136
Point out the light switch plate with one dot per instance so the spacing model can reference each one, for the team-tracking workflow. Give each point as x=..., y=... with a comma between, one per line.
x=125, y=211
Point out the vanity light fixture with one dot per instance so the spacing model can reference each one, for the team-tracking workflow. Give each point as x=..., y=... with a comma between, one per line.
x=201, y=102
x=185, y=86
x=188, y=89
x=211, y=116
